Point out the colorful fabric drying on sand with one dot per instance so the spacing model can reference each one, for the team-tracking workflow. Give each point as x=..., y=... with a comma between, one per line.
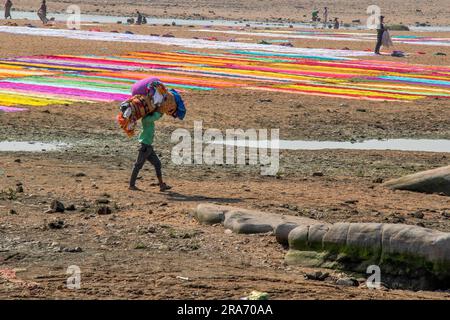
x=65, y=79
x=169, y=41
x=330, y=35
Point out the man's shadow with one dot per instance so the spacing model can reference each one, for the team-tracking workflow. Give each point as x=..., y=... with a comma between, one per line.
x=175, y=196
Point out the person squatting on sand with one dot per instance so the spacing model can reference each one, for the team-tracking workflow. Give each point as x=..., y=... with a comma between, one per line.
x=315, y=15
x=139, y=17
x=336, y=23
x=42, y=12
x=150, y=100
x=8, y=6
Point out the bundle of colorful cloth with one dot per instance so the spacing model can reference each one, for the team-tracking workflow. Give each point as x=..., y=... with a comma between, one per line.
x=138, y=106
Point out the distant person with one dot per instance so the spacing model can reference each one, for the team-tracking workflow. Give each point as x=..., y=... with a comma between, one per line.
x=336, y=23
x=8, y=6
x=42, y=12
x=315, y=15
x=325, y=17
x=139, y=18
x=380, y=30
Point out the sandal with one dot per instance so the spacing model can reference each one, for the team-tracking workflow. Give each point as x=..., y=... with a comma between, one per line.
x=164, y=187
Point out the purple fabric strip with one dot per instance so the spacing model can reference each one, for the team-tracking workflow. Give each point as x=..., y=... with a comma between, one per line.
x=51, y=65
x=86, y=94
x=12, y=109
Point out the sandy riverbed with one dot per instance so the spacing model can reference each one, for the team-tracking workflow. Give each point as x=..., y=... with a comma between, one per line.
x=151, y=238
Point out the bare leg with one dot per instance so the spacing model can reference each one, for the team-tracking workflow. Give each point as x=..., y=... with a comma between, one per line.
x=154, y=160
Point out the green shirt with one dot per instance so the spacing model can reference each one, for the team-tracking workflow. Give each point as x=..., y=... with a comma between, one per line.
x=148, y=128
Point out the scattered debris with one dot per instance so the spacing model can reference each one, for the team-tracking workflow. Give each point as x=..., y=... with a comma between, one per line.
x=347, y=282
x=318, y=174
x=317, y=276
x=397, y=53
x=104, y=210
x=102, y=201
x=417, y=214
x=395, y=218
x=140, y=246
x=57, y=206
x=9, y=194
x=71, y=207
x=11, y=276
x=72, y=250
x=57, y=224
x=257, y=295
x=378, y=180
x=19, y=187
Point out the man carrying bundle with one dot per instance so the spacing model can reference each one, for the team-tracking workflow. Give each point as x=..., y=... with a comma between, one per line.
x=149, y=102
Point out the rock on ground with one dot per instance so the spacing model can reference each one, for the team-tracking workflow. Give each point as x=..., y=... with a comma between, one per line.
x=247, y=221
x=431, y=181
x=399, y=250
